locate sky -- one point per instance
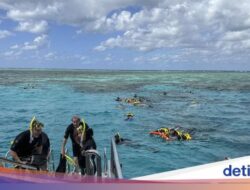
(125, 34)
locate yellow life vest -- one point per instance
(178, 133)
(186, 136)
(165, 130)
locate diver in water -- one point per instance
(175, 133)
(171, 134)
(118, 99)
(130, 117)
(120, 140)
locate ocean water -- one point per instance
(214, 105)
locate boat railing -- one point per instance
(93, 163)
(105, 163)
(6, 156)
(111, 168)
(115, 166)
(50, 162)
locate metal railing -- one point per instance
(115, 166)
(8, 159)
(16, 164)
(111, 168)
(90, 163)
(105, 163)
(51, 161)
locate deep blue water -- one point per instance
(215, 105)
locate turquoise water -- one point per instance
(215, 105)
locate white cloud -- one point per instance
(72, 12)
(4, 33)
(12, 54)
(195, 26)
(33, 27)
(50, 56)
(37, 43)
(18, 49)
(108, 58)
(83, 58)
(215, 25)
(14, 46)
(8, 53)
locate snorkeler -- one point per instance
(171, 134)
(32, 146)
(118, 99)
(130, 116)
(119, 139)
(72, 131)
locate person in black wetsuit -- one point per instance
(72, 132)
(130, 117)
(32, 147)
(88, 144)
(119, 140)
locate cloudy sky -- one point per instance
(125, 34)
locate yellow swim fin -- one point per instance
(70, 160)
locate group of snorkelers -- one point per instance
(164, 133)
(135, 100)
(171, 134)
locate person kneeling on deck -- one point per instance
(32, 146)
(73, 133)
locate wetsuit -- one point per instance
(38, 148)
(89, 144)
(23, 147)
(71, 132)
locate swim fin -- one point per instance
(62, 164)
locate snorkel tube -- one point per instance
(83, 129)
(31, 127)
(31, 123)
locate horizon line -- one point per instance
(102, 69)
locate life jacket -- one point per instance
(186, 136)
(165, 130)
(177, 133)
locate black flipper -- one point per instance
(62, 165)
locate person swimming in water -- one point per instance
(119, 139)
(130, 116)
(171, 134)
(118, 99)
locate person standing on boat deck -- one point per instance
(88, 144)
(72, 132)
(32, 146)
